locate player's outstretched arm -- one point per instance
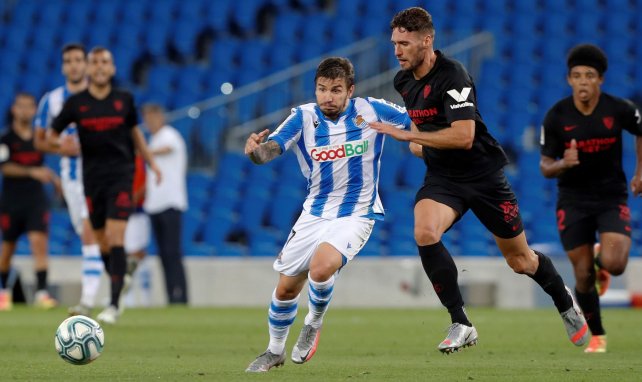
(261, 152)
(460, 135)
(141, 146)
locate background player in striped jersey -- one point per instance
(581, 146)
(74, 65)
(464, 171)
(339, 155)
(24, 206)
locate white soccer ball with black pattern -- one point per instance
(79, 340)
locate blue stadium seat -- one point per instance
(162, 12)
(184, 36)
(217, 14)
(155, 39)
(246, 13)
(257, 60)
(224, 54)
(105, 12)
(287, 28)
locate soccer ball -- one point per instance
(79, 340)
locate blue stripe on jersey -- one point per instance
(289, 129)
(43, 110)
(322, 138)
(375, 171)
(355, 173)
(306, 156)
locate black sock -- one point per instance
(442, 272)
(4, 277)
(118, 267)
(106, 262)
(590, 304)
(598, 261)
(41, 280)
(548, 278)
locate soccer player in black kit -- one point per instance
(464, 171)
(581, 146)
(24, 206)
(106, 120)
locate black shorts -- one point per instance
(490, 198)
(19, 218)
(109, 201)
(578, 220)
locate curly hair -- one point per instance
(587, 55)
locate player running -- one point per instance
(464, 171)
(106, 120)
(581, 146)
(74, 66)
(339, 155)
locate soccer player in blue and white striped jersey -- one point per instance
(340, 156)
(74, 64)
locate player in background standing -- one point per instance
(581, 146)
(74, 66)
(106, 121)
(166, 202)
(464, 171)
(339, 154)
(24, 206)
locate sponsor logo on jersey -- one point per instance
(336, 152)
(593, 145)
(608, 122)
(459, 96)
(570, 127)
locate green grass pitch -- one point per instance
(217, 344)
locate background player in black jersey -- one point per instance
(581, 146)
(24, 206)
(106, 120)
(465, 171)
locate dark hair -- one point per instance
(99, 49)
(20, 94)
(336, 67)
(74, 46)
(413, 19)
(587, 55)
(152, 108)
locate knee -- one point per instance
(426, 236)
(522, 262)
(321, 273)
(615, 267)
(284, 293)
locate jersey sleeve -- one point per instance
(391, 113)
(459, 96)
(65, 117)
(549, 141)
(632, 118)
(289, 131)
(42, 120)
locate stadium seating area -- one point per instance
(177, 52)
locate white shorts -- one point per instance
(348, 235)
(137, 232)
(74, 194)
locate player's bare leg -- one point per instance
(38, 243)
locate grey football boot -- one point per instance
(265, 362)
(306, 345)
(459, 336)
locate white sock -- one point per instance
(281, 315)
(92, 270)
(319, 296)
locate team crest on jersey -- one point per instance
(118, 105)
(427, 90)
(608, 122)
(360, 122)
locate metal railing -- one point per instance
(223, 122)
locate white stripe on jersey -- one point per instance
(340, 159)
(49, 107)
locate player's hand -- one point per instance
(416, 149)
(636, 185)
(69, 146)
(255, 140)
(42, 174)
(157, 172)
(384, 128)
(571, 156)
